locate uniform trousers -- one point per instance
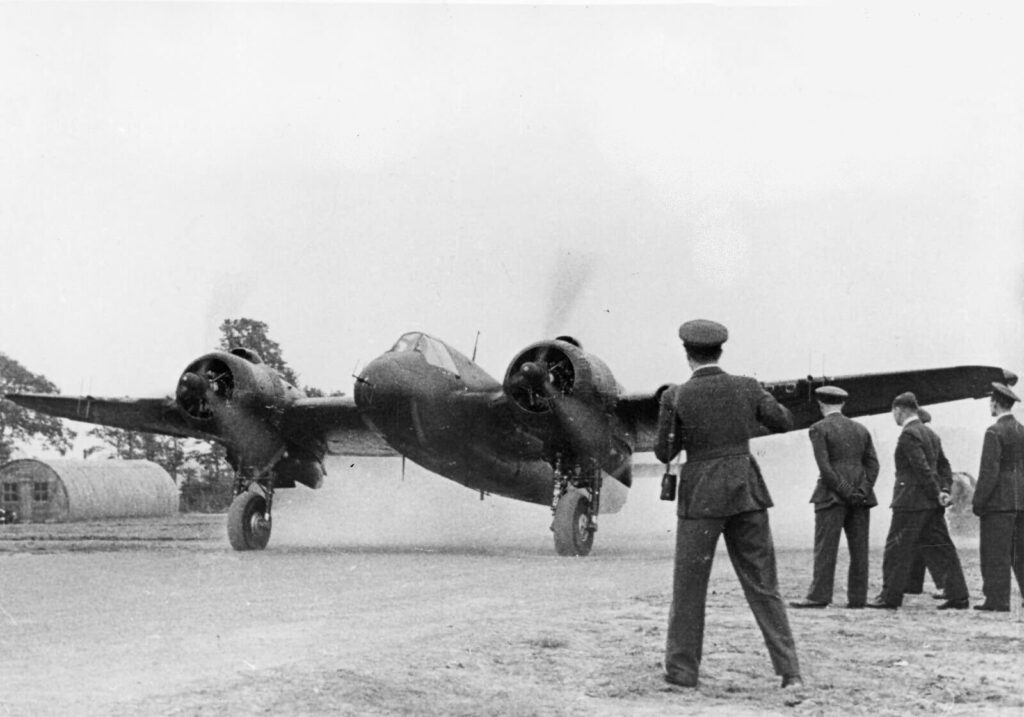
(828, 524)
(915, 582)
(927, 530)
(748, 538)
(1002, 548)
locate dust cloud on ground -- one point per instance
(368, 502)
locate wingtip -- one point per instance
(1010, 378)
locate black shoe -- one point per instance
(880, 604)
(939, 595)
(954, 605)
(854, 606)
(992, 608)
(807, 603)
(680, 682)
(792, 681)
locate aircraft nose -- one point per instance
(378, 384)
(1010, 377)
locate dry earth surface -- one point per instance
(397, 612)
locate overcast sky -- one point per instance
(843, 188)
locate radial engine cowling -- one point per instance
(238, 378)
(549, 370)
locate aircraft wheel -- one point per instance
(248, 529)
(571, 525)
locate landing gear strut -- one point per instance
(575, 503)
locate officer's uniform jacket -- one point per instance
(846, 460)
(712, 417)
(922, 470)
(1000, 486)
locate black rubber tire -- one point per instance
(572, 537)
(247, 530)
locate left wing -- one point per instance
(151, 415)
(335, 422)
(870, 394)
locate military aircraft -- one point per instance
(558, 430)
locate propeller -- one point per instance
(191, 394)
(585, 427)
(199, 386)
(542, 373)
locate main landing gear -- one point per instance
(576, 499)
(249, 519)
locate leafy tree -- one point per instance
(313, 392)
(252, 334)
(207, 480)
(19, 424)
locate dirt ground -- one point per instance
(161, 617)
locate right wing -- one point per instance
(870, 394)
(151, 415)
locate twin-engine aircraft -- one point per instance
(558, 430)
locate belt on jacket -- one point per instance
(720, 452)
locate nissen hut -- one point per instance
(61, 490)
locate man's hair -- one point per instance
(1002, 401)
(703, 354)
(905, 400)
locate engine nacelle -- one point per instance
(568, 371)
(237, 397)
(238, 377)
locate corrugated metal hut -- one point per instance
(61, 490)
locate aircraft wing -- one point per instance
(870, 394)
(337, 423)
(151, 415)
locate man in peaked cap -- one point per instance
(918, 499)
(842, 499)
(999, 502)
(712, 417)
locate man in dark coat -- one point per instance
(918, 499)
(999, 502)
(842, 499)
(915, 582)
(712, 417)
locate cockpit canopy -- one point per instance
(434, 352)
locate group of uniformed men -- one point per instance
(714, 415)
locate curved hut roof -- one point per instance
(104, 488)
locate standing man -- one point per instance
(712, 417)
(999, 502)
(842, 500)
(918, 499)
(915, 583)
